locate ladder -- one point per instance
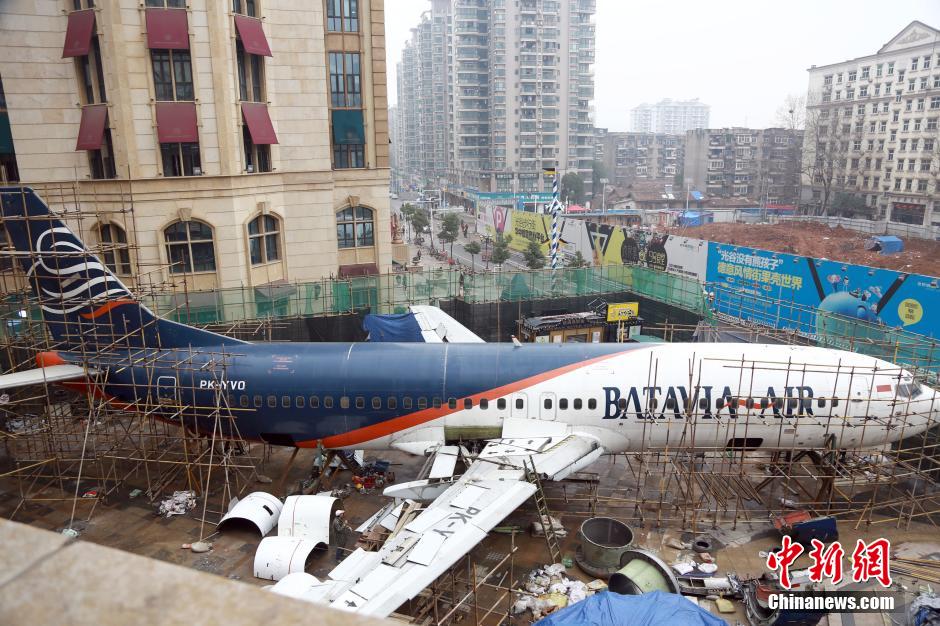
(551, 539)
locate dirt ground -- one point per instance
(920, 256)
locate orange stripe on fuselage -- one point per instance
(396, 424)
(105, 308)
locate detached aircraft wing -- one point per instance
(50, 374)
(419, 550)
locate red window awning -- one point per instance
(252, 35)
(91, 130)
(167, 29)
(176, 122)
(78, 33)
(259, 123)
(359, 269)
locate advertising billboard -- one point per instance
(805, 294)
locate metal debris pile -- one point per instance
(177, 504)
(548, 589)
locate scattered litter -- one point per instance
(708, 558)
(790, 504)
(708, 568)
(683, 567)
(201, 546)
(135, 492)
(70, 532)
(91, 493)
(178, 504)
(186, 546)
(265, 480)
(548, 589)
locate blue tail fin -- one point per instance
(84, 305)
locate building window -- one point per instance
(180, 159)
(165, 4)
(934, 103)
(345, 81)
(250, 74)
(245, 7)
(189, 247)
(91, 74)
(342, 16)
(172, 75)
(355, 227)
(264, 235)
(114, 248)
(257, 156)
(922, 185)
(101, 161)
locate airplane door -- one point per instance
(166, 390)
(547, 406)
(519, 408)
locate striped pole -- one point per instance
(555, 207)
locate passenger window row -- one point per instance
(407, 402)
(391, 402)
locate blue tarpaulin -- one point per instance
(886, 244)
(648, 609)
(697, 195)
(400, 327)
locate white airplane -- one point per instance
(558, 407)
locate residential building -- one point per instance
(249, 138)
(514, 83)
(672, 117)
(872, 134)
(759, 164)
(642, 156)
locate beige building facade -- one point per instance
(206, 143)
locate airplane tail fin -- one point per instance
(84, 305)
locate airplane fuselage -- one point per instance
(628, 396)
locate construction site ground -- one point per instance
(920, 256)
(131, 524)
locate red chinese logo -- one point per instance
(783, 559)
(826, 563)
(872, 561)
(869, 561)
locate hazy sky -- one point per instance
(740, 56)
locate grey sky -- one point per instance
(740, 56)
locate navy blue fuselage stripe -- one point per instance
(341, 369)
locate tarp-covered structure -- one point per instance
(422, 323)
(396, 327)
(648, 609)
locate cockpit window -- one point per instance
(909, 390)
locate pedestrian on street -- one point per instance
(340, 531)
